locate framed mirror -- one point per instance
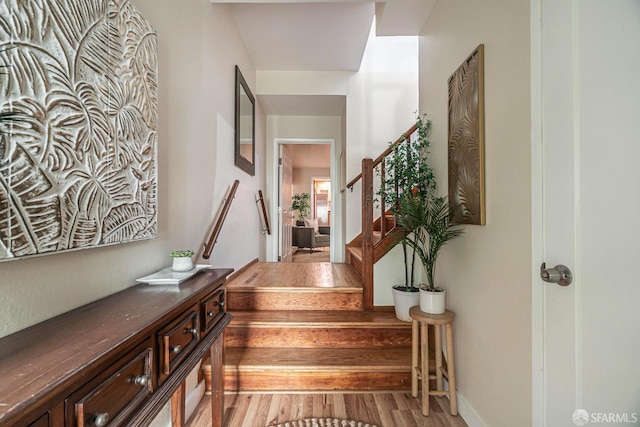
(245, 152)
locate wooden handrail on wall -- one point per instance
(260, 200)
(208, 247)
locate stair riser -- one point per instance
(238, 336)
(316, 381)
(293, 301)
(356, 263)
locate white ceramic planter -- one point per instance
(432, 302)
(182, 263)
(403, 301)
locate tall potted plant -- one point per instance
(407, 176)
(431, 218)
(301, 203)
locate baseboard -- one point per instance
(469, 414)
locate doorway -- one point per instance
(312, 172)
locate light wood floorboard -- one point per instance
(382, 409)
(318, 255)
(296, 275)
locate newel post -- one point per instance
(367, 233)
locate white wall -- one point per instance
(303, 179)
(487, 272)
(199, 45)
(381, 105)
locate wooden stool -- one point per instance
(420, 356)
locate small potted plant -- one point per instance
(301, 203)
(182, 260)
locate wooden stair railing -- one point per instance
(372, 249)
(208, 247)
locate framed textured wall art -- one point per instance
(78, 165)
(466, 140)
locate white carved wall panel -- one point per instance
(78, 168)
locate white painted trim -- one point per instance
(336, 241)
(468, 414)
(537, 225)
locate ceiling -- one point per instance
(303, 105)
(318, 35)
(310, 155)
(305, 36)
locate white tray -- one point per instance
(167, 276)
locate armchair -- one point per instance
(305, 237)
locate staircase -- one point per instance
(383, 240)
(287, 337)
(378, 235)
(311, 327)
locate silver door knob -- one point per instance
(559, 274)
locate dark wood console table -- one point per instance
(118, 360)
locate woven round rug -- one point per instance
(323, 422)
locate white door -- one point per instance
(286, 214)
(586, 211)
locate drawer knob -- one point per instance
(218, 304)
(141, 380)
(176, 349)
(192, 331)
(101, 420)
(210, 313)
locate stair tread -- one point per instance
(355, 251)
(297, 289)
(311, 359)
(313, 319)
(296, 276)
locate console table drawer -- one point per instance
(43, 421)
(176, 341)
(114, 394)
(212, 310)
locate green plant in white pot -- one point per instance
(431, 218)
(182, 260)
(407, 176)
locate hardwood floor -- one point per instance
(296, 275)
(305, 255)
(380, 409)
